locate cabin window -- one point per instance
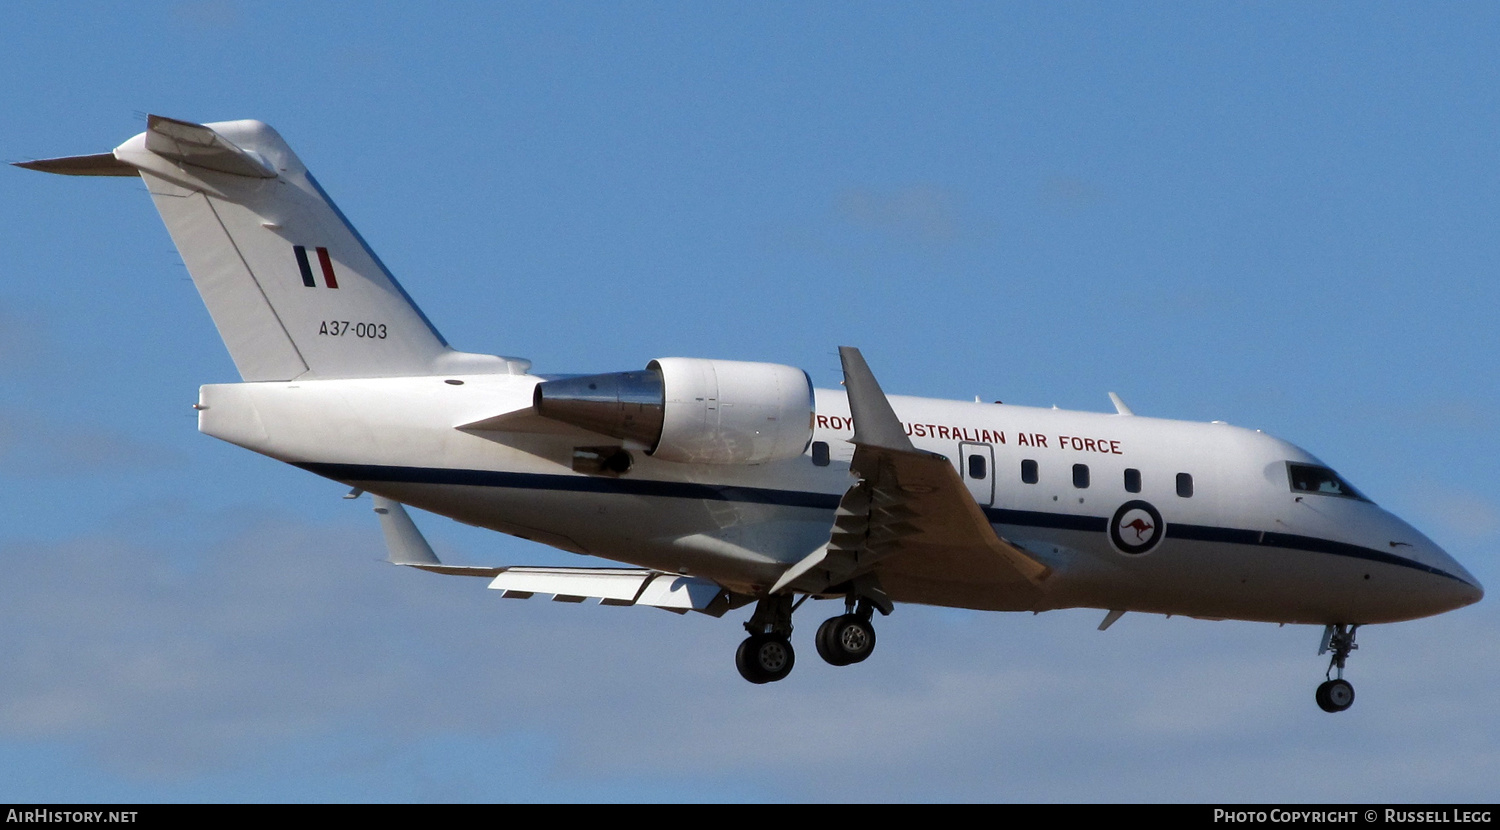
(1132, 481)
(1081, 476)
(1028, 471)
(820, 453)
(977, 467)
(1185, 485)
(1307, 478)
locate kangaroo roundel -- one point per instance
(1136, 528)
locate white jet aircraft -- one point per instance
(730, 483)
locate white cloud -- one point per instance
(914, 213)
(196, 670)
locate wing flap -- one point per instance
(943, 526)
(614, 586)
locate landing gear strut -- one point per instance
(1336, 694)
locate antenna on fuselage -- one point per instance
(1120, 406)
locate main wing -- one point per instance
(610, 586)
(908, 529)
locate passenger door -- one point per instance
(976, 466)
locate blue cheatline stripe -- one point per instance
(304, 266)
(1209, 533)
(574, 484)
(1055, 521)
(349, 473)
(1292, 541)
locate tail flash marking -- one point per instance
(324, 261)
(327, 264)
(306, 269)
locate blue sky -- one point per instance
(1276, 214)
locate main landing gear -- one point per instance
(767, 656)
(849, 638)
(1336, 694)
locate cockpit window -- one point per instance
(1309, 479)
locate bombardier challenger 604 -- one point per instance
(726, 484)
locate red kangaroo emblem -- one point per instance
(1140, 526)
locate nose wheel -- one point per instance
(1336, 694)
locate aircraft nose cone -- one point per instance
(1471, 592)
(1451, 586)
(1463, 589)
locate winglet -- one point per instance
(405, 543)
(408, 547)
(875, 423)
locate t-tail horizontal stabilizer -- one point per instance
(610, 586)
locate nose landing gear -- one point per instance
(1336, 694)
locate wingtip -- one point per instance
(404, 542)
(875, 423)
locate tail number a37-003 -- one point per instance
(343, 328)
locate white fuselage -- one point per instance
(1238, 542)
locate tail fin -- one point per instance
(293, 289)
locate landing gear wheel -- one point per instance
(765, 658)
(845, 640)
(822, 638)
(1335, 695)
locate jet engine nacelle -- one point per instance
(691, 410)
